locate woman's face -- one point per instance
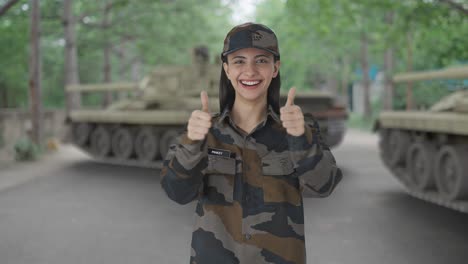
(250, 71)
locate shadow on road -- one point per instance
(419, 211)
(90, 168)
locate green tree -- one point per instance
(138, 34)
(325, 40)
(14, 28)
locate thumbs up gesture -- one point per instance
(199, 122)
(291, 116)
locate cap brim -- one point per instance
(224, 54)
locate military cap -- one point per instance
(250, 35)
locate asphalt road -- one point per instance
(69, 209)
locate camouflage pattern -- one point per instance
(248, 187)
(250, 35)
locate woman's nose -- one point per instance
(250, 68)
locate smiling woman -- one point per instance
(249, 165)
(250, 72)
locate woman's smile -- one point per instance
(250, 84)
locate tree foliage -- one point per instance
(319, 39)
(316, 36)
(150, 32)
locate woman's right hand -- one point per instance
(199, 122)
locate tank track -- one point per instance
(155, 164)
(334, 137)
(80, 135)
(431, 195)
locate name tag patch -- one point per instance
(219, 152)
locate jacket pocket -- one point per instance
(220, 174)
(278, 185)
(277, 164)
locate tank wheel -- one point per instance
(122, 143)
(396, 146)
(80, 133)
(451, 171)
(419, 162)
(383, 139)
(101, 141)
(167, 139)
(147, 144)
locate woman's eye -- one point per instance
(262, 61)
(238, 62)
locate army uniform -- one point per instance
(249, 189)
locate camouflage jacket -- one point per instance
(248, 189)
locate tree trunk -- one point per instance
(459, 6)
(136, 76)
(35, 73)
(345, 76)
(332, 85)
(365, 74)
(7, 6)
(409, 68)
(121, 51)
(136, 70)
(73, 100)
(107, 100)
(389, 89)
(122, 55)
(4, 98)
(388, 93)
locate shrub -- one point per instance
(26, 150)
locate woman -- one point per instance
(249, 165)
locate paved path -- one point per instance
(69, 209)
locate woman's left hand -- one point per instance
(291, 116)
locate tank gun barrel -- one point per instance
(448, 73)
(115, 87)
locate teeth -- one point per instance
(250, 82)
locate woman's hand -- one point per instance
(199, 122)
(291, 116)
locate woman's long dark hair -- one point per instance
(227, 93)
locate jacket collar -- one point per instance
(270, 113)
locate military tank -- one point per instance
(330, 113)
(428, 150)
(139, 130)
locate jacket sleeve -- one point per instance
(314, 163)
(181, 175)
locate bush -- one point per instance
(26, 150)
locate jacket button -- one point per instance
(247, 236)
